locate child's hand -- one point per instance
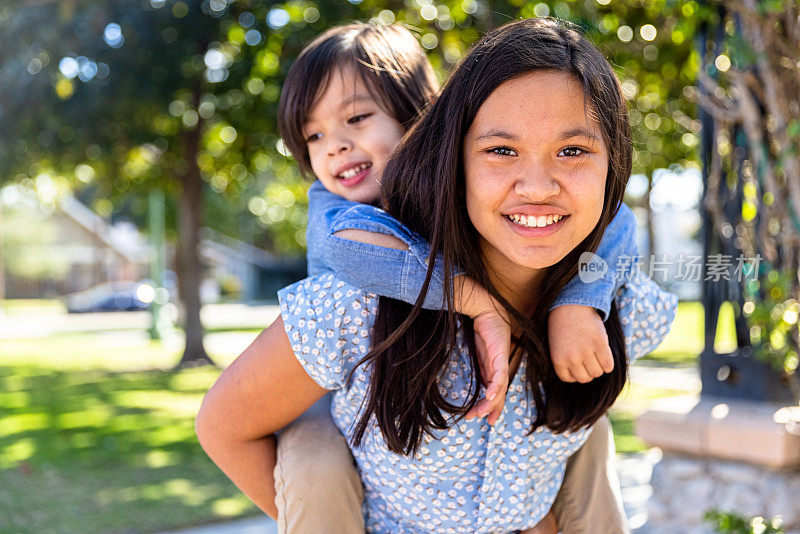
(578, 343)
(493, 343)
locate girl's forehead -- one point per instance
(538, 102)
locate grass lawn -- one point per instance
(634, 400)
(96, 433)
(684, 342)
(97, 437)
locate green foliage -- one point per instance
(730, 523)
(122, 131)
(773, 318)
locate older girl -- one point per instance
(531, 127)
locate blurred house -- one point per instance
(90, 251)
(254, 273)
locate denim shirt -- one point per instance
(400, 274)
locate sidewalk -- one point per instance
(214, 316)
(251, 525)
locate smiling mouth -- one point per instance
(353, 171)
(531, 221)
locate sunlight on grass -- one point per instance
(18, 451)
(231, 506)
(15, 307)
(16, 424)
(684, 342)
(166, 402)
(156, 459)
(634, 400)
(100, 439)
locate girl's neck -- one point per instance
(517, 284)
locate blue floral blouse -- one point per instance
(472, 478)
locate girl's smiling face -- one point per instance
(535, 167)
(349, 137)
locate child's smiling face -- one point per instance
(350, 137)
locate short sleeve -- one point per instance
(328, 323)
(646, 313)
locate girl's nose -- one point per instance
(537, 184)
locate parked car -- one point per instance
(111, 296)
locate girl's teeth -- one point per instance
(534, 222)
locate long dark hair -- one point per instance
(387, 58)
(423, 186)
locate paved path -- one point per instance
(252, 525)
(214, 316)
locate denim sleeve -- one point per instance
(646, 313)
(601, 274)
(397, 274)
(323, 206)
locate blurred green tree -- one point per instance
(112, 99)
(749, 89)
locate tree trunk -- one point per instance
(190, 271)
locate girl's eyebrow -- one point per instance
(502, 134)
(566, 134)
(577, 132)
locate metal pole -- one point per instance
(161, 324)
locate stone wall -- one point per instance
(685, 488)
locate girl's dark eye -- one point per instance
(571, 151)
(358, 118)
(502, 151)
(313, 137)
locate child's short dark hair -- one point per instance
(388, 59)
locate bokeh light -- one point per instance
(277, 18)
(648, 32)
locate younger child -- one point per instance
(346, 103)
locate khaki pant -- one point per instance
(319, 490)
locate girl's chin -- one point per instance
(539, 257)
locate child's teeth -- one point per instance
(349, 173)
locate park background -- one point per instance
(138, 143)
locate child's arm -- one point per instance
(490, 320)
(602, 273)
(323, 207)
(578, 342)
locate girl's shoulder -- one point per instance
(328, 323)
(322, 294)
